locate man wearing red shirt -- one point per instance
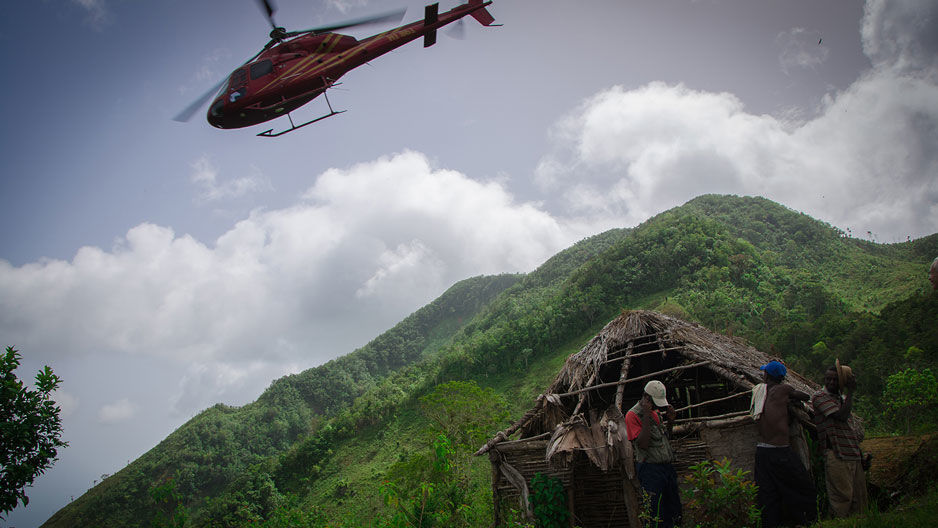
(653, 454)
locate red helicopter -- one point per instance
(295, 67)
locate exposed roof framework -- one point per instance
(576, 429)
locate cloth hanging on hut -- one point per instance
(758, 401)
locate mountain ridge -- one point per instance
(746, 265)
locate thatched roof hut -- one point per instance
(576, 430)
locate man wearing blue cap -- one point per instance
(786, 495)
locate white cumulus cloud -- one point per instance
(118, 411)
(212, 188)
(868, 161)
(359, 250)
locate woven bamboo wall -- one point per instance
(597, 498)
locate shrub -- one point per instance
(718, 497)
(549, 502)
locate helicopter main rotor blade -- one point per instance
(457, 30)
(390, 16)
(269, 9)
(190, 110)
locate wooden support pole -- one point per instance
(496, 496)
(708, 402)
(739, 379)
(623, 374)
(690, 427)
(583, 396)
(615, 383)
(640, 354)
(620, 390)
(709, 418)
(541, 436)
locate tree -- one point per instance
(910, 392)
(464, 412)
(170, 512)
(30, 430)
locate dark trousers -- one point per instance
(660, 482)
(786, 496)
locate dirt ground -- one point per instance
(903, 464)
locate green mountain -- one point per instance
(355, 442)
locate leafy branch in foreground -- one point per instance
(30, 430)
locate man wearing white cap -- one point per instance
(653, 454)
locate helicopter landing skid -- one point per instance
(270, 133)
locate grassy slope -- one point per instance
(232, 440)
(214, 448)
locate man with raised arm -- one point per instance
(653, 454)
(786, 495)
(846, 483)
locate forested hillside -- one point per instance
(375, 436)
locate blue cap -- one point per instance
(775, 369)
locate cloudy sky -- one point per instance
(161, 267)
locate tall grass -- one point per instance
(921, 512)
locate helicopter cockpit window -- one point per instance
(237, 79)
(261, 69)
(216, 108)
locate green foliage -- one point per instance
(718, 497)
(903, 336)
(649, 512)
(30, 430)
(291, 515)
(436, 488)
(548, 502)
(909, 393)
(441, 498)
(464, 412)
(170, 511)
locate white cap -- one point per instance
(656, 390)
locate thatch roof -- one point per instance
(736, 359)
(576, 430)
(637, 346)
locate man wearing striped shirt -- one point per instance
(846, 483)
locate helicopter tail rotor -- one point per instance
(481, 14)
